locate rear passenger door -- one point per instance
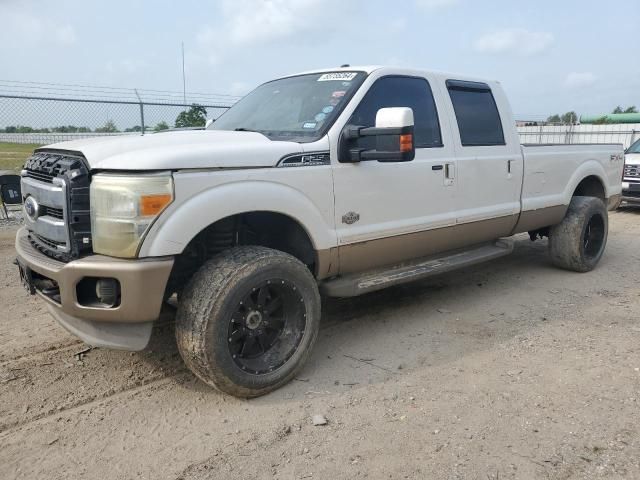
(489, 161)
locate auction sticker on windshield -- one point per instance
(338, 76)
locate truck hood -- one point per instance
(183, 149)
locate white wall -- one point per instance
(609, 133)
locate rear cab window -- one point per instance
(477, 114)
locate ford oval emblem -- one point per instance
(31, 208)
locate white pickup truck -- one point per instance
(631, 177)
(341, 181)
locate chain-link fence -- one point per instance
(44, 120)
(43, 113)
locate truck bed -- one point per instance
(552, 172)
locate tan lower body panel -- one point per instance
(613, 201)
(543, 217)
(142, 283)
(326, 263)
(358, 257)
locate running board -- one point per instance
(357, 284)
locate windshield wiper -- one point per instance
(242, 129)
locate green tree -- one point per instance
(554, 119)
(569, 118)
(109, 127)
(631, 109)
(69, 129)
(196, 116)
(161, 126)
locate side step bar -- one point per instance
(357, 284)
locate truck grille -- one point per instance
(55, 189)
(632, 170)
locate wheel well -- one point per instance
(590, 187)
(264, 228)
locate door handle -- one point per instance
(450, 171)
(436, 167)
(449, 174)
(509, 166)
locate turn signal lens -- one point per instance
(153, 204)
(406, 143)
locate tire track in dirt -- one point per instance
(8, 428)
(121, 372)
(43, 384)
(71, 344)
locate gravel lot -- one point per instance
(511, 369)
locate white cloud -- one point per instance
(515, 40)
(125, 65)
(398, 24)
(435, 4)
(579, 79)
(239, 88)
(253, 21)
(28, 28)
(65, 35)
(245, 23)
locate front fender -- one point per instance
(189, 215)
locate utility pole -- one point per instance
(184, 81)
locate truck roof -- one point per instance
(391, 70)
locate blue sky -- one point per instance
(551, 56)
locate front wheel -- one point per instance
(248, 320)
(577, 243)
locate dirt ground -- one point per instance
(511, 369)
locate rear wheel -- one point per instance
(248, 320)
(577, 243)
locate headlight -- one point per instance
(123, 207)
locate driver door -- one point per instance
(386, 213)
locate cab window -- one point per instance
(476, 112)
(411, 92)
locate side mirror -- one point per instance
(208, 123)
(393, 133)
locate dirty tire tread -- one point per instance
(565, 238)
(204, 297)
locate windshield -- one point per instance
(635, 148)
(299, 109)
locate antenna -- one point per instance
(184, 81)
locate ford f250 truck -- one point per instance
(341, 181)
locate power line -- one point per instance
(54, 95)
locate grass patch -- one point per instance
(13, 155)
